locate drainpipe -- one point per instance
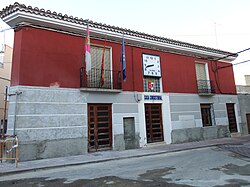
(16, 94)
(5, 109)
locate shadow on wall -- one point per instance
(3, 127)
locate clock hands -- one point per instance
(148, 66)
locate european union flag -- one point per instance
(123, 61)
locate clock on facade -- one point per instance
(151, 65)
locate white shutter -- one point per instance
(201, 71)
(96, 57)
(95, 76)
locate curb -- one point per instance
(178, 149)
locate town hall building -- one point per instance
(174, 91)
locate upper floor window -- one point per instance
(101, 74)
(201, 71)
(100, 77)
(96, 57)
(205, 86)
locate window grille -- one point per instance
(152, 84)
(207, 115)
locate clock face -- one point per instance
(151, 65)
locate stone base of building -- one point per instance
(199, 134)
(34, 150)
(55, 122)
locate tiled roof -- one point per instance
(47, 13)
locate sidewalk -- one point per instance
(9, 168)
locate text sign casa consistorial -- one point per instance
(151, 65)
(152, 97)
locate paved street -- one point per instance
(210, 166)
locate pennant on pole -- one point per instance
(87, 52)
(123, 61)
(102, 66)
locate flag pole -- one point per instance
(123, 60)
(103, 61)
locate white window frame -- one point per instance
(206, 69)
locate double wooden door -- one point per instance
(99, 127)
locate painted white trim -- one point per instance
(19, 17)
(178, 104)
(237, 117)
(49, 102)
(142, 125)
(220, 110)
(185, 112)
(21, 88)
(33, 115)
(166, 119)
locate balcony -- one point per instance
(206, 87)
(93, 81)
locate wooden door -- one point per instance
(248, 122)
(231, 117)
(153, 118)
(99, 127)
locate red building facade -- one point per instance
(43, 57)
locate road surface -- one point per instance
(211, 166)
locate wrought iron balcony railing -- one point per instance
(111, 79)
(206, 87)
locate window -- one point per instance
(151, 84)
(96, 57)
(95, 75)
(205, 86)
(201, 73)
(206, 114)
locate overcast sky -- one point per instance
(222, 24)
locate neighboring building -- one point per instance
(247, 79)
(5, 72)
(244, 103)
(174, 92)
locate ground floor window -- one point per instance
(206, 114)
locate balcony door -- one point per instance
(204, 84)
(201, 73)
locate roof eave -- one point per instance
(19, 17)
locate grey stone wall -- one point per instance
(52, 122)
(199, 133)
(187, 121)
(49, 122)
(185, 109)
(244, 103)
